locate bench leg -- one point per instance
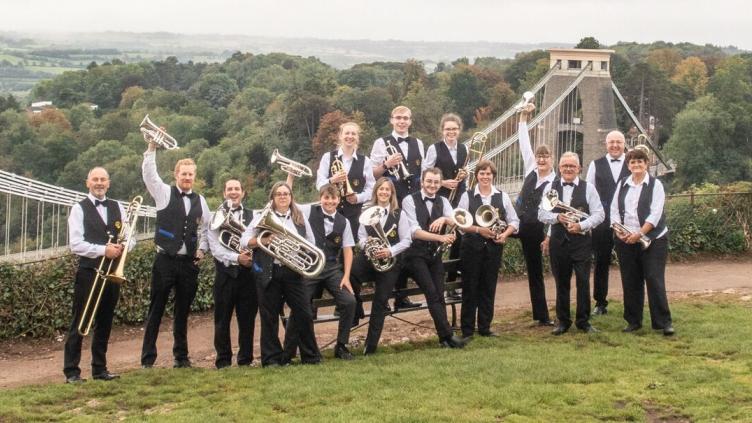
(454, 315)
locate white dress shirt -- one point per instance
(430, 160)
(615, 163)
(512, 219)
(378, 151)
(347, 236)
(225, 255)
(77, 244)
(161, 193)
(631, 200)
(594, 203)
(408, 208)
(403, 230)
(322, 174)
(528, 156)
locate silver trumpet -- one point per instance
(461, 219)
(488, 217)
(153, 134)
(624, 231)
(400, 170)
(293, 250)
(551, 201)
(290, 166)
(230, 229)
(372, 217)
(527, 98)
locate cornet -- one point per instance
(399, 171)
(551, 201)
(336, 168)
(527, 98)
(156, 135)
(461, 219)
(487, 217)
(624, 231)
(372, 217)
(290, 166)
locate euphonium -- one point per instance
(288, 247)
(102, 276)
(156, 135)
(487, 217)
(475, 151)
(398, 171)
(372, 217)
(624, 231)
(461, 219)
(551, 201)
(230, 229)
(336, 168)
(290, 166)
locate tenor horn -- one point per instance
(487, 217)
(153, 134)
(290, 166)
(461, 219)
(372, 217)
(293, 250)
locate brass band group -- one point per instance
(381, 218)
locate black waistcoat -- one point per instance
(643, 206)
(262, 262)
(96, 231)
(174, 227)
(357, 179)
(330, 244)
(419, 246)
(449, 169)
(605, 184)
(476, 241)
(391, 227)
(529, 198)
(579, 201)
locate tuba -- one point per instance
(102, 276)
(400, 170)
(290, 166)
(475, 151)
(372, 217)
(290, 248)
(230, 229)
(488, 217)
(527, 98)
(551, 201)
(345, 188)
(461, 219)
(156, 135)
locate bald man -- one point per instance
(603, 173)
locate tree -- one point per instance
(216, 88)
(692, 74)
(466, 92)
(9, 103)
(665, 59)
(588, 42)
(522, 64)
(732, 80)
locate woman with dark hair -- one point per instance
(274, 282)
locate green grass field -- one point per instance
(704, 373)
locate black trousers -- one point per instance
(531, 235)
(480, 271)
(234, 294)
(363, 271)
(102, 325)
(329, 279)
(428, 273)
(454, 253)
(603, 245)
(565, 258)
(638, 269)
(285, 286)
(168, 274)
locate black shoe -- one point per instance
(75, 379)
(182, 364)
(341, 352)
(632, 327)
(369, 350)
(589, 329)
(546, 322)
(224, 366)
(600, 310)
(147, 366)
(558, 330)
(405, 303)
(668, 331)
(488, 334)
(467, 338)
(311, 361)
(105, 375)
(453, 341)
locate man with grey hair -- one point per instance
(603, 173)
(570, 243)
(93, 226)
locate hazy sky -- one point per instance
(720, 22)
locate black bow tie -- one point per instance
(329, 218)
(615, 160)
(281, 216)
(185, 194)
(98, 203)
(571, 184)
(400, 139)
(234, 209)
(431, 199)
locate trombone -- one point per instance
(116, 276)
(336, 168)
(475, 151)
(153, 134)
(290, 166)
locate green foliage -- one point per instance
(588, 42)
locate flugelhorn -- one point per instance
(372, 217)
(290, 166)
(461, 219)
(527, 98)
(336, 168)
(488, 217)
(230, 229)
(475, 151)
(102, 275)
(551, 201)
(400, 170)
(293, 250)
(153, 134)
(624, 231)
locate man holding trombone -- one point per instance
(93, 225)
